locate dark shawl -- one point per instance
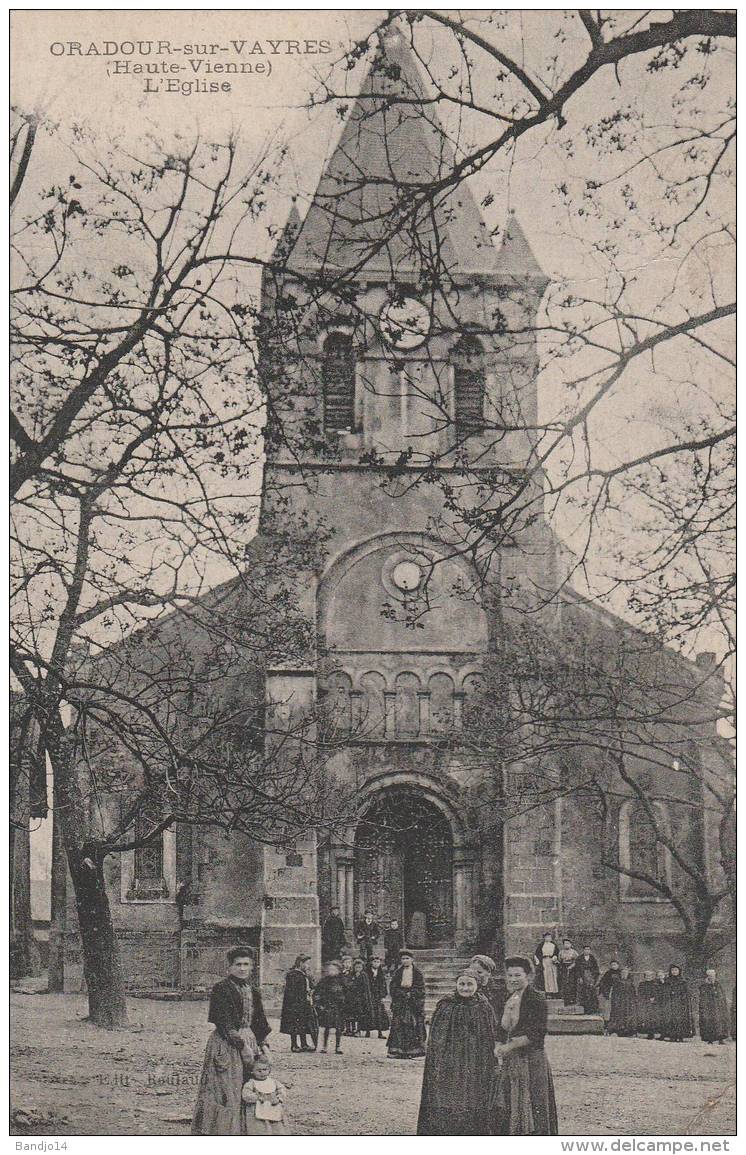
(332, 936)
(648, 1012)
(362, 1001)
(457, 1085)
(713, 1013)
(414, 995)
(623, 1018)
(226, 1010)
(532, 1020)
(329, 1001)
(609, 980)
(297, 1013)
(680, 1023)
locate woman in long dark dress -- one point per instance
(329, 1004)
(524, 1096)
(361, 997)
(679, 1006)
(378, 991)
(609, 979)
(713, 1010)
(459, 1075)
(623, 1016)
(567, 976)
(407, 1034)
(241, 1029)
(648, 1017)
(298, 1018)
(588, 971)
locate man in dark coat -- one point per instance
(647, 1005)
(298, 1018)
(378, 991)
(332, 936)
(459, 1076)
(713, 1010)
(367, 934)
(393, 942)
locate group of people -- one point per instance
(485, 1071)
(348, 1000)
(661, 1005)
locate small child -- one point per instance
(263, 1096)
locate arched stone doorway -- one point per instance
(404, 865)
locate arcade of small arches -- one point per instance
(405, 705)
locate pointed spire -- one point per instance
(516, 256)
(391, 150)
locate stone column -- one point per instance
(463, 899)
(458, 709)
(389, 705)
(424, 697)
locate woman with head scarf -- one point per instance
(362, 999)
(609, 979)
(298, 1018)
(524, 1096)
(587, 971)
(713, 1010)
(567, 972)
(459, 1075)
(240, 1034)
(680, 1025)
(407, 1034)
(623, 1016)
(679, 1006)
(491, 984)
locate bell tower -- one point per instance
(401, 397)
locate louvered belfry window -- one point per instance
(468, 382)
(339, 382)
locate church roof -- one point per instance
(378, 207)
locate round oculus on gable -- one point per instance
(406, 576)
(404, 323)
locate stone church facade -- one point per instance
(404, 629)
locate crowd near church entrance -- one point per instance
(403, 864)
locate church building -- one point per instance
(399, 358)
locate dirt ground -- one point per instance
(75, 1079)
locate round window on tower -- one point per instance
(406, 576)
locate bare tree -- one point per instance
(137, 416)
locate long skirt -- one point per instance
(713, 1013)
(407, 1035)
(218, 1107)
(587, 995)
(524, 1098)
(568, 983)
(623, 1019)
(550, 976)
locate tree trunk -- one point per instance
(57, 927)
(107, 1006)
(25, 958)
(102, 969)
(24, 950)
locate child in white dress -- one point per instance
(263, 1097)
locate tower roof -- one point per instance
(377, 207)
